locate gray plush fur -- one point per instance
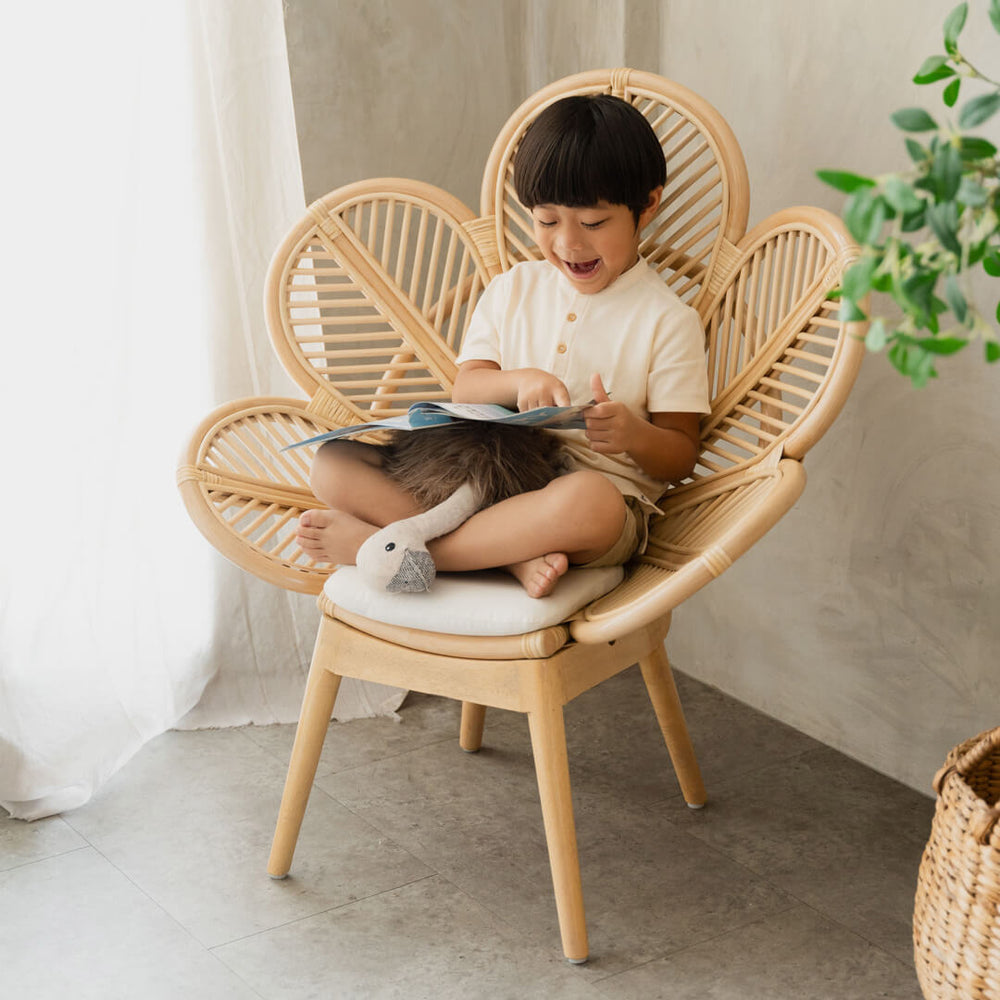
(498, 461)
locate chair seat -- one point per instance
(488, 603)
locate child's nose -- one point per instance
(570, 238)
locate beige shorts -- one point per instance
(632, 540)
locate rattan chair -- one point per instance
(367, 300)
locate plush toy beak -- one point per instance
(416, 573)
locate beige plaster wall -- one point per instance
(867, 618)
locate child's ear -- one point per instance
(652, 204)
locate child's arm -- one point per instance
(519, 388)
(665, 446)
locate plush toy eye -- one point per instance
(390, 546)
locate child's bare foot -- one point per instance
(332, 536)
(539, 576)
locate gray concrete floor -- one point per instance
(421, 871)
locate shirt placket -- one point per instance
(567, 322)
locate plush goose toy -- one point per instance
(396, 558)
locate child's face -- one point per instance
(591, 246)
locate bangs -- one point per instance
(583, 150)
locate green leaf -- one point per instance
(865, 215)
(972, 147)
(934, 68)
(876, 338)
(942, 345)
(946, 172)
(917, 294)
(950, 93)
(850, 312)
(844, 181)
(901, 196)
(913, 120)
(913, 221)
(953, 25)
(992, 348)
(913, 362)
(944, 225)
(857, 281)
(917, 152)
(995, 14)
(956, 299)
(991, 263)
(971, 193)
(998, 312)
(979, 109)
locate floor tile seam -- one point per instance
(152, 900)
(319, 913)
(701, 942)
(379, 760)
(854, 933)
(762, 875)
(740, 776)
(49, 857)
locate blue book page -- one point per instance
(563, 417)
(428, 414)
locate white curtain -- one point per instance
(151, 167)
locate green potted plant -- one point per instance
(925, 230)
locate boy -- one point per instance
(590, 319)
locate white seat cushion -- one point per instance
(487, 603)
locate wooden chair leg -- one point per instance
(548, 741)
(317, 707)
(470, 737)
(662, 690)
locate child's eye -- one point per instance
(545, 224)
(594, 225)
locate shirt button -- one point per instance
(561, 348)
(571, 317)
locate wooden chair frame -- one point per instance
(367, 301)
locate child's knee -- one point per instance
(594, 498)
(330, 472)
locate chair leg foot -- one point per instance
(667, 705)
(578, 961)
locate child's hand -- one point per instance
(538, 388)
(610, 425)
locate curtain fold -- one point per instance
(157, 168)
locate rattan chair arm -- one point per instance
(245, 495)
(705, 529)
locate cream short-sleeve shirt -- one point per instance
(646, 344)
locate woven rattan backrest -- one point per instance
(780, 360)
(706, 198)
(368, 297)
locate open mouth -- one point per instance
(582, 269)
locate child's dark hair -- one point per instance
(582, 150)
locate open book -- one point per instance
(426, 414)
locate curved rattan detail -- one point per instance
(245, 494)
(702, 532)
(368, 297)
(706, 199)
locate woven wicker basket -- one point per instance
(956, 917)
